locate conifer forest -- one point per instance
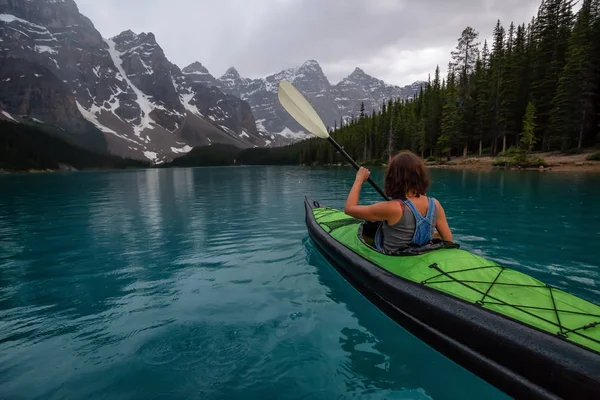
(535, 87)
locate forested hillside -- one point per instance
(535, 87)
(28, 147)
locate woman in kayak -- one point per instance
(410, 217)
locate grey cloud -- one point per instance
(394, 40)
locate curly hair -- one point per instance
(406, 172)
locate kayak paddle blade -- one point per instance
(301, 110)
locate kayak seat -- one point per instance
(370, 233)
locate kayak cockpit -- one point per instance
(367, 232)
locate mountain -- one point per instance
(118, 95)
(332, 102)
(124, 97)
(360, 87)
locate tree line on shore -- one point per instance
(25, 147)
(536, 87)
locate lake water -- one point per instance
(203, 284)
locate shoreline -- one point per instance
(556, 162)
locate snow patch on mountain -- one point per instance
(185, 149)
(7, 115)
(45, 49)
(226, 129)
(90, 116)
(8, 18)
(146, 106)
(150, 155)
(288, 133)
(260, 125)
(186, 98)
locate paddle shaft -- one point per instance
(355, 165)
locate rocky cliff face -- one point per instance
(138, 103)
(33, 93)
(231, 82)
(197, 73)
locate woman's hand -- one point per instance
(362, 174)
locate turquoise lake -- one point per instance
(203, 284)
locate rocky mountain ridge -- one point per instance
(123, 96)
(334, 102)
(118, 95)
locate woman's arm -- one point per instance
(375, 212)
(442, 223)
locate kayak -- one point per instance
(528, 339)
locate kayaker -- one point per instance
(410, 217)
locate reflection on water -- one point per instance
(202, 283)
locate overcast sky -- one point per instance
(399, 41)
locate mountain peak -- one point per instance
(195, 68)
(128, 34)
(232, 72)
(311, 63)
(358, 72)
(148, 37)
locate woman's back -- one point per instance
(416, 225)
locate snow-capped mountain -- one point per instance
(123, 96)
(360, 87)
(119, 95)
(332, 102)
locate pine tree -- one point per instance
(485, 55)
(595, 59)
(372, 132)
(435, 112)
(465, 55)
(528, 138)
(463, 62)
(390, 145)
(481, 114)
(450, 125)
(553, 28)
(496, 85)
(521, 68)
(508, 111)
(573, 112)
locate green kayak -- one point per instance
(529, 339)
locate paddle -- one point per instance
(301, 110)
